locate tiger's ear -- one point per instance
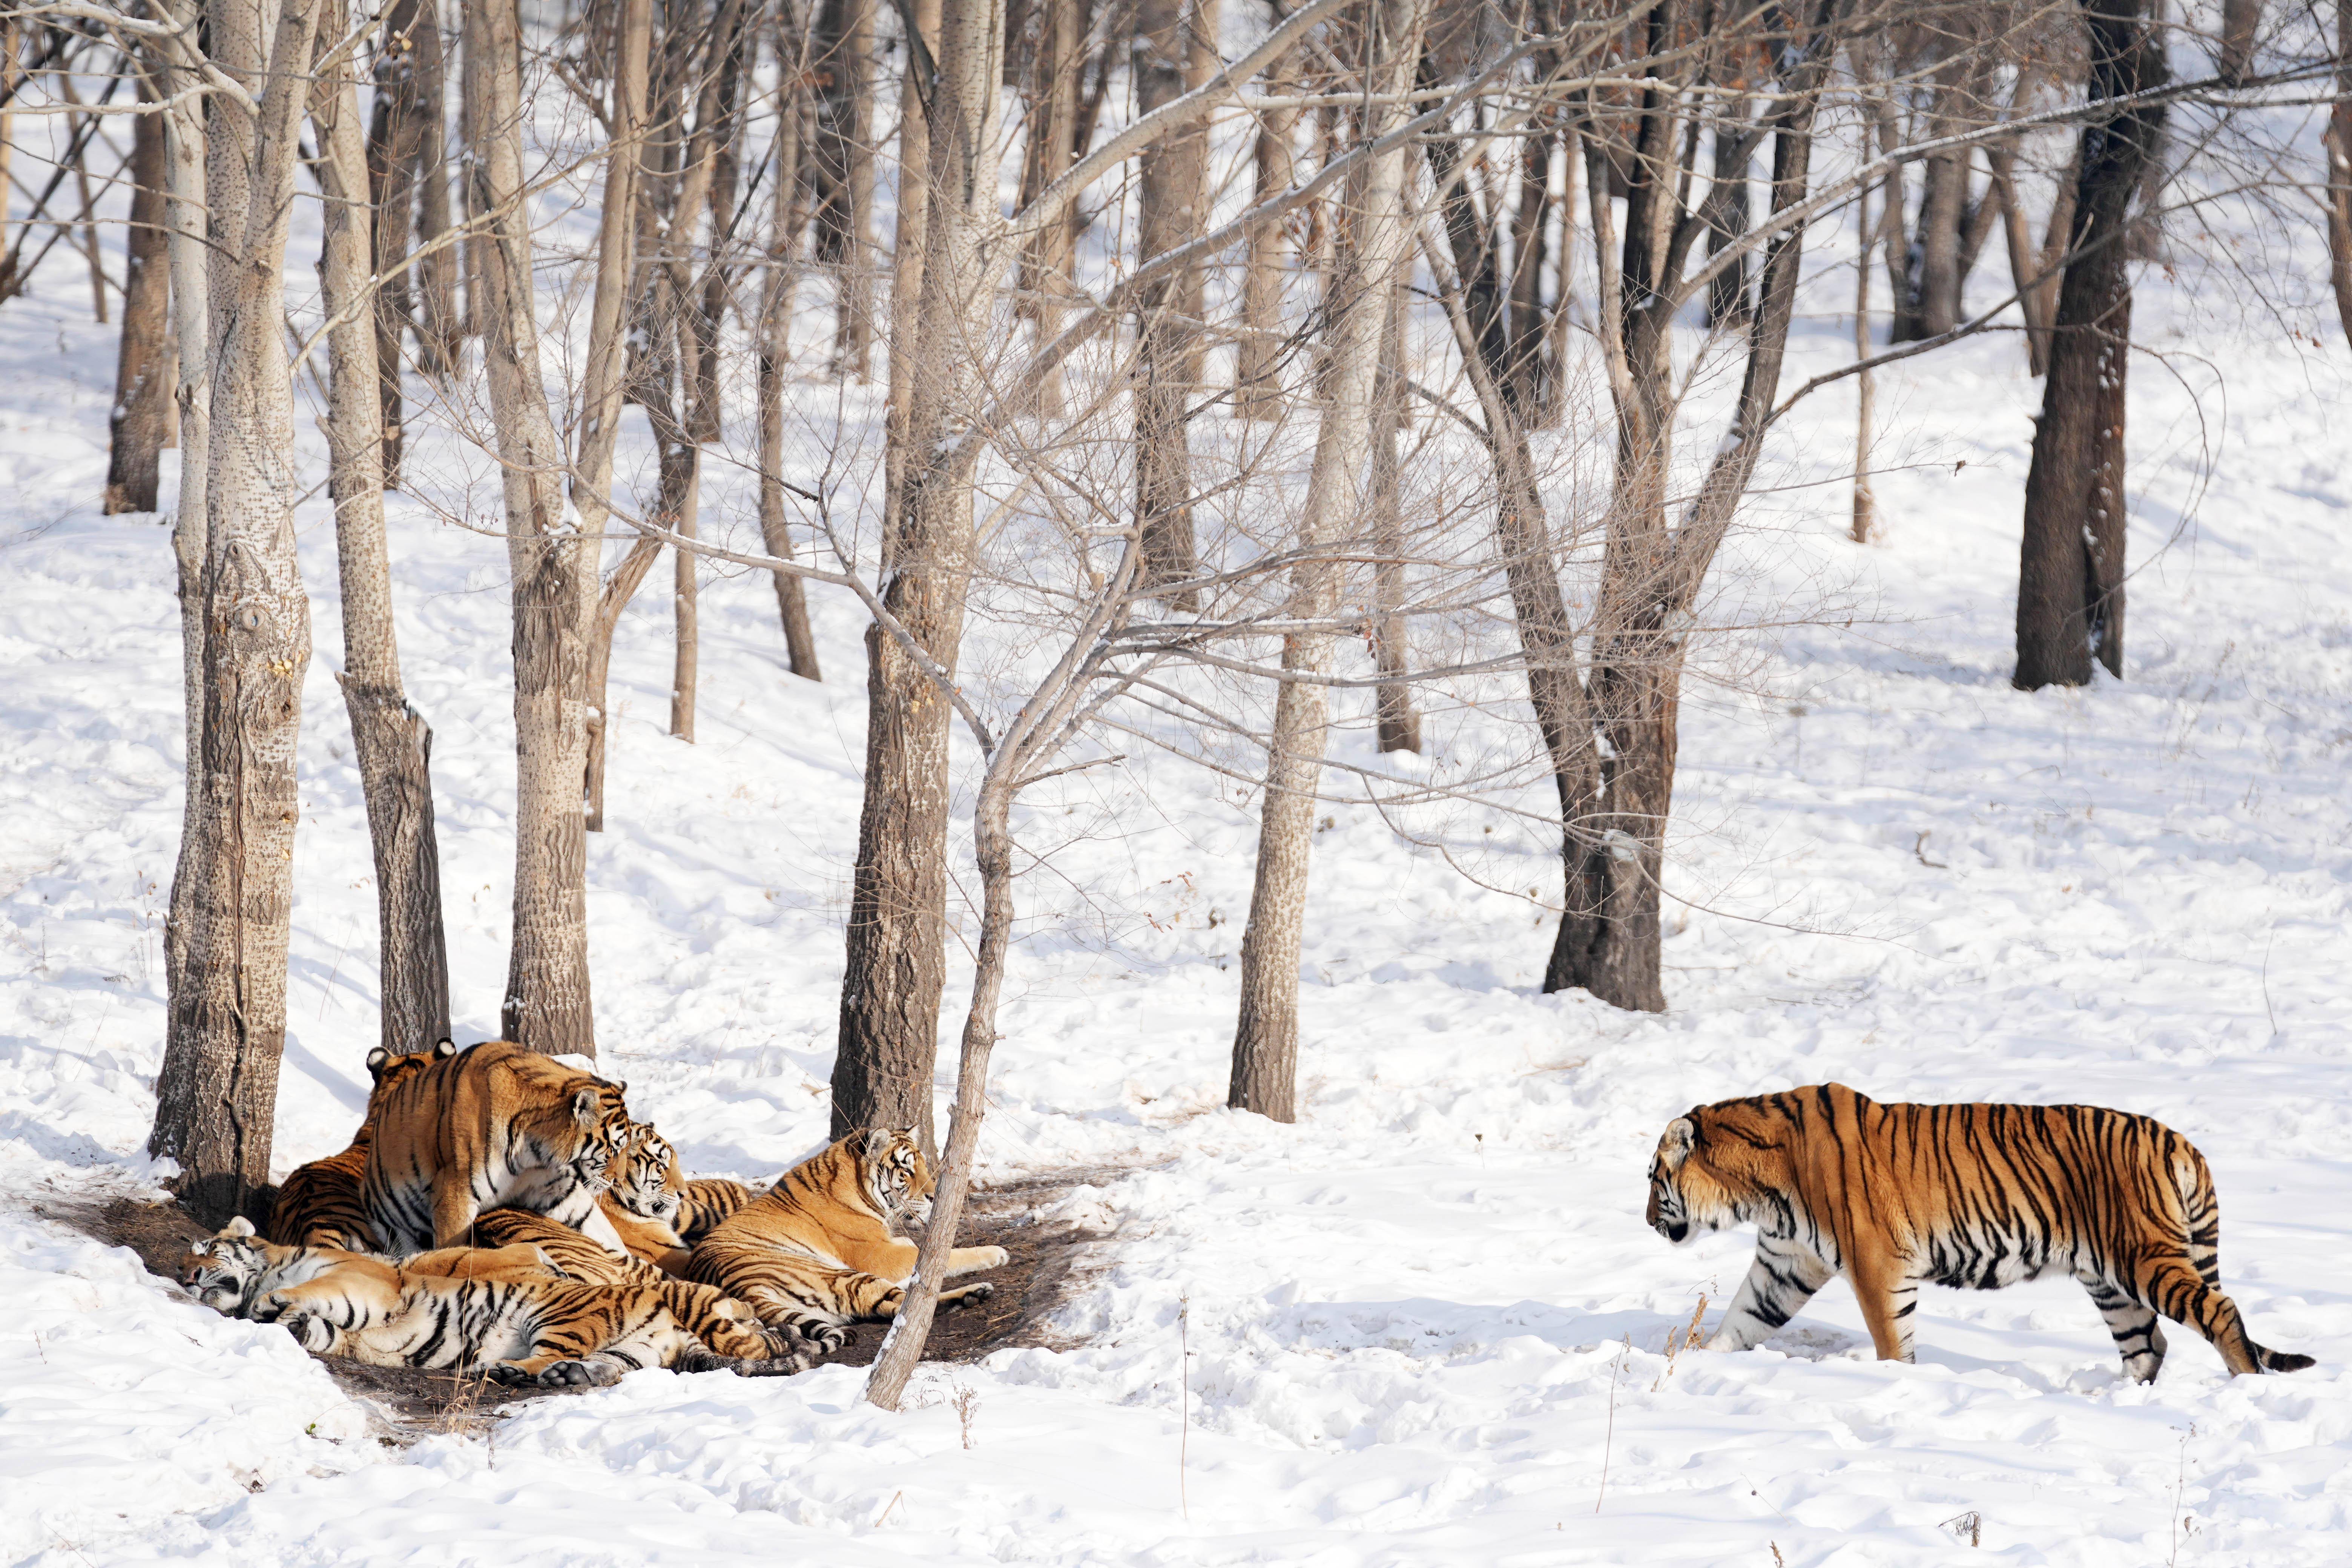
(584, 1107)
(876, 1139)
(376, 1061)
(444, 1049)
(1675, 1146)
(239, 1225)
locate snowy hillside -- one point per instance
(1426, 1324)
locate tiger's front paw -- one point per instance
(991, 1257)
(972, 1295)
(314, 1334)
(268, 1309)
(564, 1375)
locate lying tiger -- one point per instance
(319, 1204)
(494, 1124)
(1977, 1196)
(504, 1311)
(816, 1252)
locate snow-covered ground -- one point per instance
(1426, 1325)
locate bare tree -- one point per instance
(1257, 391)
(1266, 1038)
(844, 170)
(547, 1005)
(772, 338)
(2339, 172)
(395, 146)
(1175, 53)
(391, 741)
(141, 416)
(2070, 592)
(216, 1093)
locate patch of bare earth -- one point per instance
(1044, 1266)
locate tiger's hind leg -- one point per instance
(1783, 1277)
(2139, 1336)
(2175, 1288)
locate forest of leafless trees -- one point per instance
(1239, 368)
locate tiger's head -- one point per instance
(222, 1270)
(892, 1172)
(647, 1182)
(605, 1130)
(1716, 1167)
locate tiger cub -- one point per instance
(495, 1124)
(319, 1204)
(702, 1308)
(513, 1323)
(816, 1252)
(643, 1201)
(1977, 1197)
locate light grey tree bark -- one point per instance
(1265, 1039)
(547, 1005)
(393, 741)
(216, 1094)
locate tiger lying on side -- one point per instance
(816, 1252)
(1977, 1197)
(494, 1124)
(706, 1311)
(319, 1204)
(510, 1316)
(707, 1200)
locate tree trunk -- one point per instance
(2070, 590)
(441, 328)
(216, 1095)
(1934, 306)
(547, 1005)
(773, 338)
(1265, 1036)
(391, 739)
(1528, 382)
(907, 261)
(1175, 52)
(1257, 378)
(396, 139)
(2023, 267)
(1399, 722)
(591, 486)
(2054, 242)
(1609, 941)
(1053, 114)
(142, 367)
(2338, 143)
(185, 157)
(1726, 295)
(844, 174)
(2239, 19)
(1865, 505)
(888, 1042)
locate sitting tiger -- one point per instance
(1977, 1196)
(495, 1124)
(319, 1204)
(503, 1312)
(816, 1252)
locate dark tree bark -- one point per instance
(2070, 591)
(1727, 296)
(888, 1042)
(844, 171)
(1529, 380)
(1399, 721)
(1175, 52)
(142, 415)
(1650, 574)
